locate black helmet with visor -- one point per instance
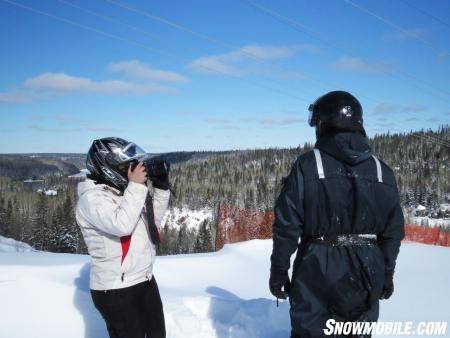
(108, 160)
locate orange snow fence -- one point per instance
(236, 224)
(427, 235)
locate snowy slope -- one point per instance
(176, 217)
(221, 294)
(432, 222)
(11, 245)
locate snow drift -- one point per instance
(218, 295)
(11, 245)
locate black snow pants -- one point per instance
(334, 282)
(132, 312)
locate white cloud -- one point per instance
(358, 65)
(232, 63)
(282, 121)
(413, 108)
(264, 52)
(135, 69)
(49, 84)
(406, 34)
(40, 128)
(215, 65)
(13, 97)
(433, 119)
(61, 83)
(214, 120)
(384, 107)
(265, 121)
(248, 120)
(59, 118)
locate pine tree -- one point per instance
(8, 222)
(41, 231)
(203, 242)
(182, 242)
(2, 216)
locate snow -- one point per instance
(217, 295)
(81, 174)
(421, 208)
(51, 192)
(11, 245)
(192, 218)
(444, 207)
(431, 222)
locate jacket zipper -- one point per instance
(123, 275)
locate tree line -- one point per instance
(248, 179)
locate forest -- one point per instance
(248, 179)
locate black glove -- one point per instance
(159, 174)
(388, 287)
(279, 279)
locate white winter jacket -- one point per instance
(104, 216)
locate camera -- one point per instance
(154, 166)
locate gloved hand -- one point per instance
(279, 282)
(388, 287)
(161, 180)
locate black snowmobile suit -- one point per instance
(338, 189)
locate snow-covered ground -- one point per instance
(11, 245)
(81, 174)
(428, 221)
(223, 294)
(176, 217)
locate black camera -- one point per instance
(155, 167)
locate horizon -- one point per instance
(245, 149)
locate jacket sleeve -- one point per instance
(160, 203)
(389, 240)
(116, 219)
(289, 214)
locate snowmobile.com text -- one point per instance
(385, 328)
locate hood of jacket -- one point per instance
(348, 147)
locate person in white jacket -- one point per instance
(119, 218)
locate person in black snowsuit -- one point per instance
(342, 203)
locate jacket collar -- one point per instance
(349, 147)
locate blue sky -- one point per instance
(214, 75)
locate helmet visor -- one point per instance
(311, 118)
(128, 153)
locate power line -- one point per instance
(404, 31)
(140, 45)
(155, 37)
(384, 68)
(426, 13)
(392, 24)
(88, 28)
(107, 18)
(220, 43)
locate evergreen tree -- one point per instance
(203, 242)
(9, 220)
(2, 216)
(41, 236)
(182, 242)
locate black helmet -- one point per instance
(337, 110)
(108, 160)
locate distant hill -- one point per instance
(22, 167)
(185, 156)
(41, 165)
